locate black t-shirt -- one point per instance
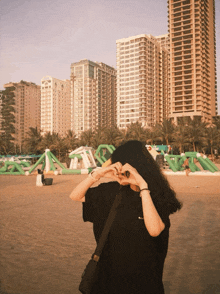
(132, 261)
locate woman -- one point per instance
(133, 257)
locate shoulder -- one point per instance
(98, 201)
(103, 189)
(109, 186)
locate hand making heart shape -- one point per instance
(123, 174)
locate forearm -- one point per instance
(78, 194)
(152, 219)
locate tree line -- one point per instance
(188, 135)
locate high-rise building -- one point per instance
(164, 42)
(142, 81)
(55, 105)
(27, 108)
(93, 92)
(192, 58)
(0, 112)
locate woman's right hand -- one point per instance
(112, 171)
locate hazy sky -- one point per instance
(40, 38)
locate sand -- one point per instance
(45, 245)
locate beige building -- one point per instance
(142, 81)
(27, 108)
(93, 92)
(192, 58)
(55, 105)
(0, 113)
(164, 41)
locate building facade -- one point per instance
(142, 81)
(192, 58)
(164, 41)
(55, 105)
(93, 96)
(0, 112)
(27, 108)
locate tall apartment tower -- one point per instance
(0, 112)
(142, 86)
(93, 92)
(27, 108)
(164, 41)
(55, 105)
(192, 58)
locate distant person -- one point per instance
(40, 178)
(186, 167)
(133, 258)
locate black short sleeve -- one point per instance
(90, 204)
(98, 201)
(164, 214)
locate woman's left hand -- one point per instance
(134, 178)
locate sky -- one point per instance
(43, 37)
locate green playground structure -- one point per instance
(47, 160)
(82, 162)
(23, 167)
(11, 168)
(103, 153)
(176, 161)
(84, 171)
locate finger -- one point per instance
(129, 168)
(127, 173)
(107, 171)
(117, 167)
(128, 181)
(113, 176)
(116, 171)
(113, 170)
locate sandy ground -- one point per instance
(45, 245)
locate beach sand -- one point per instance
(45, 244)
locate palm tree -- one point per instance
(180, 138)
(151, 136)
(217, 122)
(8, 119)
(86, 138)
(165, 131)
(135, 131)
(98, 137)
(112, 136)
(54, 142)
(195, 130)
(212, 138)
(32, 141)
(3, 147)
(71, 140)
(122, 136)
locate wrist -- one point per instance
(93, 175)
(144, 191)
(143, 185)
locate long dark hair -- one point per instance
(135, 153)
